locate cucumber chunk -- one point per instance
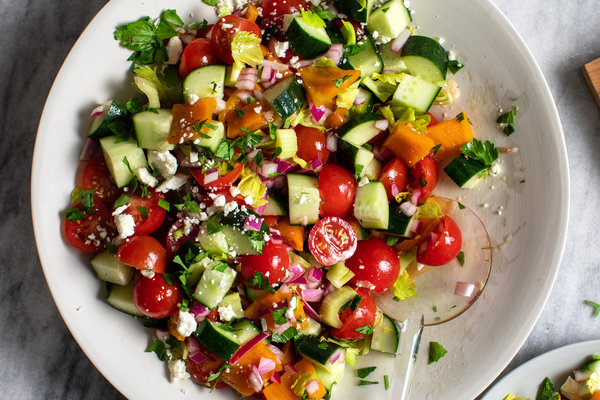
(287, 141)
(386, 336)
(359, 10)
(214, 284)
(113, 114)
(320, 352)
(306, 40)
(286, 97)
(275, 205)
(416, 93)
(392, 61)
(425, 58)
(399, 224)
(121, 298)
(304, 199)
(354, 159)
(222, 341)
(360, 129)
(109, 269)
(466, 172)
(368, 61)
(234, 301)
(123, 158)
(207, 81)
(152, 129)
(390, 19)
(216, 137)
(371, 207)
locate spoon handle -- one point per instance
(404, 365)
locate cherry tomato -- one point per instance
(144, 253)
(89, 234)
(425, 175)
(147, 214)
(433, 121)
(394, 173)
(375, 265)
(337, 187)
(222, 181)
(97, 177)
(178, 234)
(274, 10)
(155, 298)
(200, 372)
(225, 30)
(196, 54)
(311, 144)
(357, 321)
(272, 263)
(442, 245)
(331, 240)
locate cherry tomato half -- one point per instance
(331, 240)
(180, 232)
(147, 214)
(358, 320)
(89, 234)
(196, 54)
(144, 253)
(272, 263)
(394, 173)
(433, 121)
(200, 372)
(425, 175)
(225, 30)
(273, 11)
(222, 181)
(311, 144)
(337, 187)
(155, 298)
(442, 245)
(97, 177)
(375, 265)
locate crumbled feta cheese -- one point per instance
(281, 48)
(234, 191)
(173, 183)
(191, 98)
(174, 50)
(226, 313)
(146, 177)
(375, 35)
(125, 225)
(495, 169)
(363, 181)
(193, 156)
(203, 216)
(226, 26)
(249, 200)
(188, 224)
(229, 207)
(239, 4)
(220, 201)
(164, 161)
(178, 371)
(186, 323)
(120, 210)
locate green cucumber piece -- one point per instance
(366, 107)
(339, 274)
(390, 19)
(358, 10)
(331, 376)
(286, 97)
(275, 205)
(216, 137)
(354, 159)
(466, 172)
(253, 294)
(214, 285)
(373, 169)
(222, 341)
(152, 129)
(399, 224)
(386, 336)
(368, 61)
(232, 73)
(318, 351)
(234, 301)
(215, 243)
(207, 81)
(371, 207)
(114, 115)
(392, 61)
(360, 129)
(109, 269)
(121, 298)
(425, 58)
(303, 199)
(123, 158)
(307, 40)
(416, 93)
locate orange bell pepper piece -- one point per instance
(322, 84)
(291, 234)
(408, 144)
(265, 303)
(251, 12)
(251, 117)
(185, 116)
(283, 390)
(450, 135)
(304, 365)
(337, 118)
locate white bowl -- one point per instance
(532, 190)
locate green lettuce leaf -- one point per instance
(404, 287)
(245, 49)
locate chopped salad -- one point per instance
(276, 169)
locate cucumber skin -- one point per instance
(423, 46)
(462, 169)
(358, 120)
(290, 100)
(399, 223)
(117, 113)
(304, 48)
(209, 336)
(309, 347)
(354, 10)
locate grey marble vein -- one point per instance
(39, 357)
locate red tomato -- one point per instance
(196, 54)
(442, 245)
(155, 298)
(225, 30)
(425, 175)
(96, 177)
(144, 253)
(311, 144)
(86, 234)
(375, 265)
(394, 173)
(200, 372)
(274, 10)
(337, 187)
(147, 214)
(357, 321)
(173, 244)
(433, 120)
(222, 181)
(272, 263)
(331, 240)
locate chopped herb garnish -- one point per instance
(323, 14)
(211, 228)
(164, 204)
(134, 105)
(184, 305)
(434, 308)
(74, 214)
(392, 240)
(279, 316)
(143, 211)
(595, 305)
(214, 86)
(111, 248)
(226, 149)
(287, 123)
(352, 304)
(277, 152)
(547, 391)
(461, 258)
(159, 348)
(126, 162)
(436, 148)
(239, 113)
(260, 282)
(509, 119)
(217, 375)
(340, 81)
(121, 201)
(365, 330)
(210, 2)
(145, 191)
(386, 382)
(288, 334)
(251, 99)
(454, 66)
(322, 345)
(386, 9)
(436, 351)
(484, 152)
(221, 267)
(460, 205)
(200, 25)
(365, 383)
(422, 182)
(364, 372)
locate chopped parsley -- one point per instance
(121, 201)
(436, 148)
(484, 152)
(159, 348)
(227, 147)
(340, 81)
(279, 316)
(365, 383)
(596, 307)
(288, 334)
(239, 113)
(422, 182)
(454, 66)
(508, 120)
(164, 204)
(74, 214)
(547, 391)
(352, 304)
(460, 205)
(364, 372)
(386, 382)
(215, 377)
(461, 258)
(260, 282)
(200, 25)
(436, 352)
(365, 330)
(143, 211)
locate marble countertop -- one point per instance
(41, 359)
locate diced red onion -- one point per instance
(209, 34)
(382, 153)
(247, 347)
(320, 113)
(162, 334)
(275, 65)
(200, 312)
(245, 83)
(276, 378)
(211, 176)
(329, 289)
(331, 144)
(255, 379)
(312, 295)
(337, 355)
(335, 52)
(268, 115)
(306, 63)
(252, 223)
(89, 150)
(581, 376)
(395, 190)
(258, 94)
(399, 42)
(266, 365)
(187, 38)
(408, 208)
(415, 226)
(316, 163)
(464, 289)
(283, 166)
(279, 329)
(221, 104)
(276, 239)
(361, 97)
(244, 94)
(276, 352)
(252, 154)
(96, 112)
(300, 281)
(416, 197)
(311, 313)
(198, 357)
(290, 369)
(267, 74)
(315, 275)
(312, 387)
(192, 344)
(382, 124)
(269, 168)
(295, 270)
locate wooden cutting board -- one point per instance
(591, 73)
